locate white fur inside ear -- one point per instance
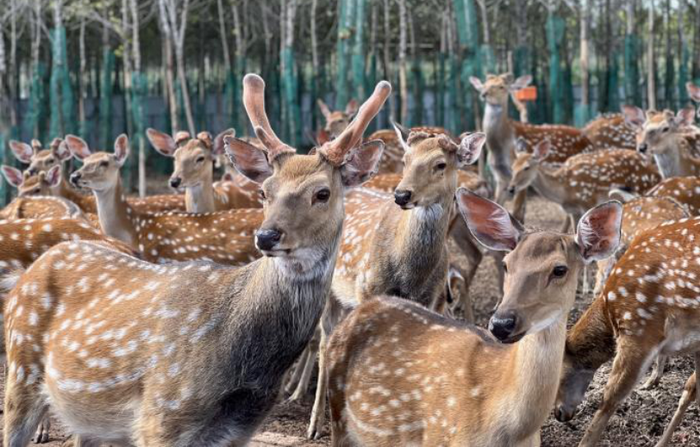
(406, 148)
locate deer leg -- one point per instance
(309, 363)
(318, 413)
(293, 381)
(656, 374)
(628, 366)
(694, 377)
(462, 236)
(689, 394)
(519, 202)
(42, 433)
(24, 411)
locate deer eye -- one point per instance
(664, 130)
(200, 159)
(262, 194)
(505, 268)
(441, 166)
(50, 160)
(559, 271)
(322, 196)
(104, 164)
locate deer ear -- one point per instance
(476, 82)
(161, 142)
(23, 152)
(470, 148)
(520, 83)
(324, 108)
(249, 160)
(685, 117)
(521, 145)
(227, 177)
(13, 176)
(541, 150)
(402, 135)
(693, 91)
(351, 108)
(599, 231)
(488, 221)
(62, 152)
(53, 176)
(78, 147)
(634, 116)
(121, 149)
(218, 146)
(361, 163)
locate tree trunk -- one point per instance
(12, 70)
(669, 72)
(178, 37)
(651, 81)
(222, 32)
(585, 112)
(403, 76)
(387, 54)
(170, 73)
(81, 75)
(696, 45)
(139, 92)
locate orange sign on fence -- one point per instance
(526, 94)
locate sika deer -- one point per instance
(610, 131)
(39, 207)
(39, 184)
(686, 190)
(337, 120)
(40, 159)
(649, 307)
(662, 135)
(225, 237)
(447, 383)
(194, 171)
(153, 364)
(584, 180)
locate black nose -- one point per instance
(402, 197)
(511, 190)
(267, 239)
(175, 182)
(561, 415)
(33, 171)
(75, 178)
(503, 325)
(642, 148)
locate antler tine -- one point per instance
(335, 150)
(254, 102)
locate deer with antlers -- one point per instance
(502, 133)
(648, 307)
(125, 373)
(448, 383)
(397, 246)
(665, 137)
(225, 237)
(584, 180)
(194, 171)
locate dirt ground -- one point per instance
(638, 422)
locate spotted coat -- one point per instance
(685, 190)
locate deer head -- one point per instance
(338, 120)
(497, 88)
(431, 164)
(100, 171)
(541, 268)
(526, 165)
(41, 159)
(193, 158)
(32, 184)
(657, 131)
(693, 91)
(303, 194)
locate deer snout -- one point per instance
(75, 178)
(175, 182)
(562, 414)
(267, 239)
(502, 325)
(511, 190)
(642, 148)
(402, 197)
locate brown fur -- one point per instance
(609, 131)
(685, 190)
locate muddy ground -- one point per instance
(638, 422)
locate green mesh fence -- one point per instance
(683, 77)
(633, 93)
(291, 112)
(106, 98)
(669, 84)
(613, 101)
(36, 105)
(555, 36)
(468, 36)
(139, 89)
(358, 51)
(345, 21)
(61, 94)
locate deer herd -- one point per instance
(180, 319)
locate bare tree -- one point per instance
(651, 81)
(585, 25)
(169, 69)
(403, 77)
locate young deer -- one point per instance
(686, 190)
(649, 307)
(392, 161)
(693, 91)
(448, 383)
(610, 131)
(662, 135)
(148, 363)
(502, 133)
(225, 237)
(40, 159)
(584, 180)
(194, 171)
(27, 184)
(337, 120)
(39, 207)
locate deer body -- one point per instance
(609, 131)
(648, 307)
(447, 383)
(685, 190)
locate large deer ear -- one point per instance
(634, 117)
(219, 145)
(599, 231)
(22, 151)
(62, 152)
(489, 222)
(12, 175)
(121, 149)
(693, 91)
(78, 147)
(470, 148)
(476, 82)
(161, 142)
(351, 108)
(249, 160)
(402, 135)
(520, 83)
(361, 164)
(685, 117)
(53, 176)
(324, 109)
(541, 150)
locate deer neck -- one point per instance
(499, 134)
(200, 198)
(552, 184)
(530, 397)
(115, 214)
(422, 231)
(591, 342)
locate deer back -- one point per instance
(609, 131)
(685, 190)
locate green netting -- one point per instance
(633, 94)
(453, 99)
(139, 90)
(613, 102)
(239, 117)
(37, 105)
(290, 109)
(568, 94)
(345, 23)
(669, 84)
(230, 115)
(440, 83)
(105, 133)
(488, 60)
(358, 52)
(61, 93)
(417, 84)
(683, 77)
(555, 35)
